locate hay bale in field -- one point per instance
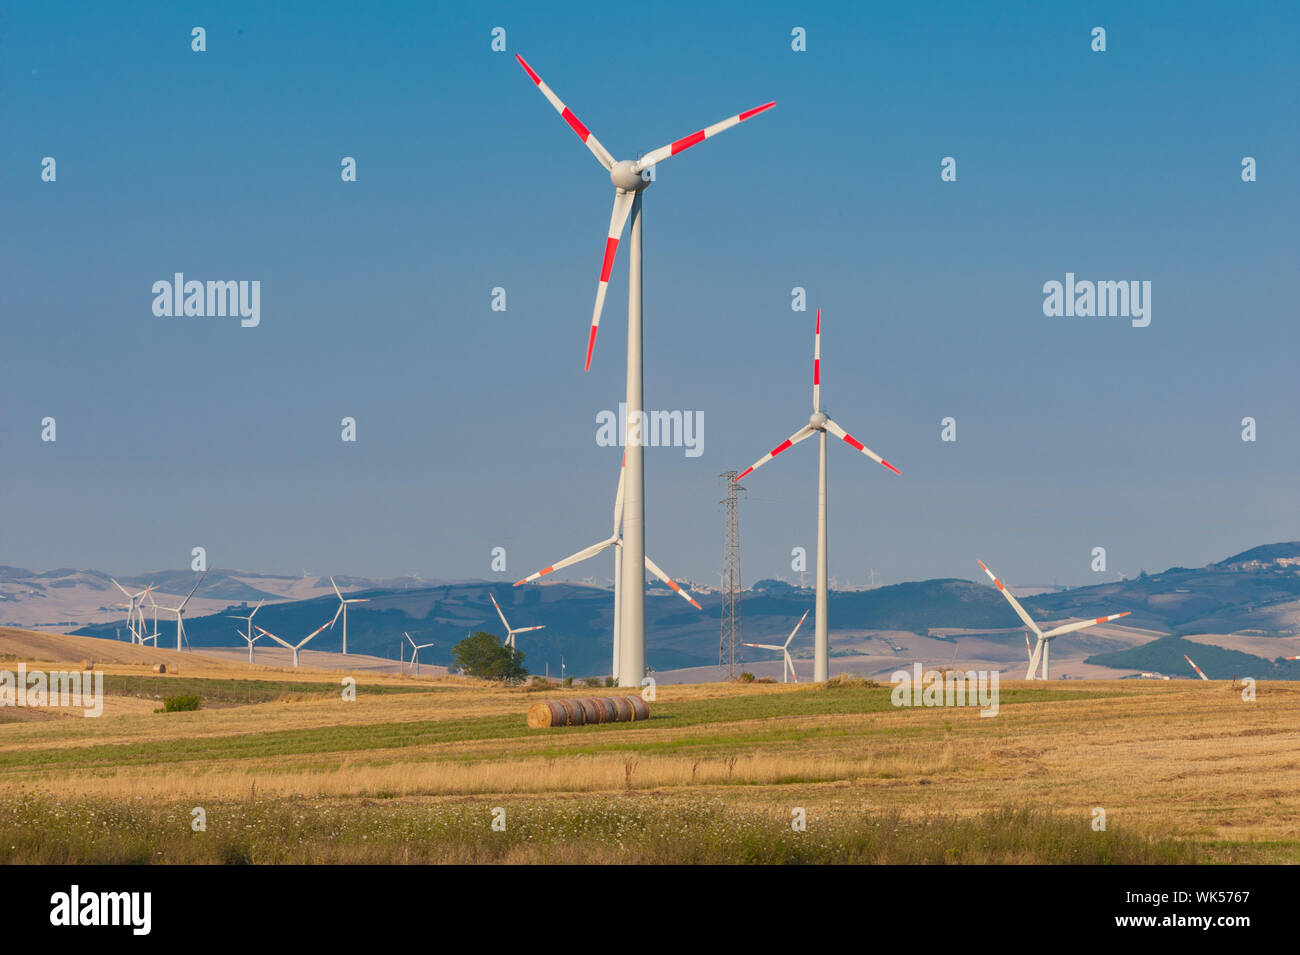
(579, 712)
(160, 668)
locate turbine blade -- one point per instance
(283, 643)
(672, 584)
(817, 365)
(677, 146)
(617, 219)
(1033, 660)
(336, 615)
(1196, 668)
(764, 646)
(600, 152)
(312, 634)
(191, 593)
(581, 555)
(804, 432)
(527, 629)
(336, 588)
(796, 628)
(1071, 627)
(504, 623)
(853, 442)
(1015, 604)
(618, 497)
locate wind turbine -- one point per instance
(787, 668)
(249, 636)
(415, 651)
(511, 631)
(343, 609)
(155, 635)
(1196, 668)
(289, 646)
(819, 424)
(1044, 639)
(630, 178)
(135, 608)
(615, 540)
(180, 614)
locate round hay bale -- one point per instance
(640, 708)
(606, 707)
(622, 709)
(540, 715)
(591, 711)
(573, 710)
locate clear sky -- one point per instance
(477, 428)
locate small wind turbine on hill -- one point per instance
(289, 646)
(511, 631)
(415, 651)
(1044, 639)
(615, 541)
(180, 613)
(249, 637)
(787, 667)
(819, 424)
(343, 609)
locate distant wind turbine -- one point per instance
(787, 668)
(249, 637)
(180, 613)
(289, 646)
(343, 609)
(415, 651)
(511, 631)
(1044, 638)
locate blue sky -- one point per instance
(476, 428)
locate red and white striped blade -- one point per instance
(617, 219)
(1084, 624)
(673, 148)
(672, 584)
(600, 152)
(790, 663)
(804, 432)
(1196, 668)
(796, 628)
(854, 443)
(580, 556)
(1029, 651)
(1015, 604)
(529, 629)
(504, 622)
(316, 631)
(817, 365)
(764, 646)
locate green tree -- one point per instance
(482, 654)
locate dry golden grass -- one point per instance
(1177, 759)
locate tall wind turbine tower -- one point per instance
(630, 179)
(819, 424)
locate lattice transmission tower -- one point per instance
(730, 650)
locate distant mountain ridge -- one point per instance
(1256, 591)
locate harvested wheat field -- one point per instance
(287, 769)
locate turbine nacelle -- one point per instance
(817, 421)
(624, 175)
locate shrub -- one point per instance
(592, 681)
(180, 704)
(746, 677)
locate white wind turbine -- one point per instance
(289, 646)
(155, 635)
(134, 610)
(342, 608)
(787, 668)
(1044, 639)
(511, 631)
(630, 178)
(180, 613)
(819, 424)
(249, 637)
(615, 541)
(415, 651)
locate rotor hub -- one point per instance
(817, 420)
(624, 176)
